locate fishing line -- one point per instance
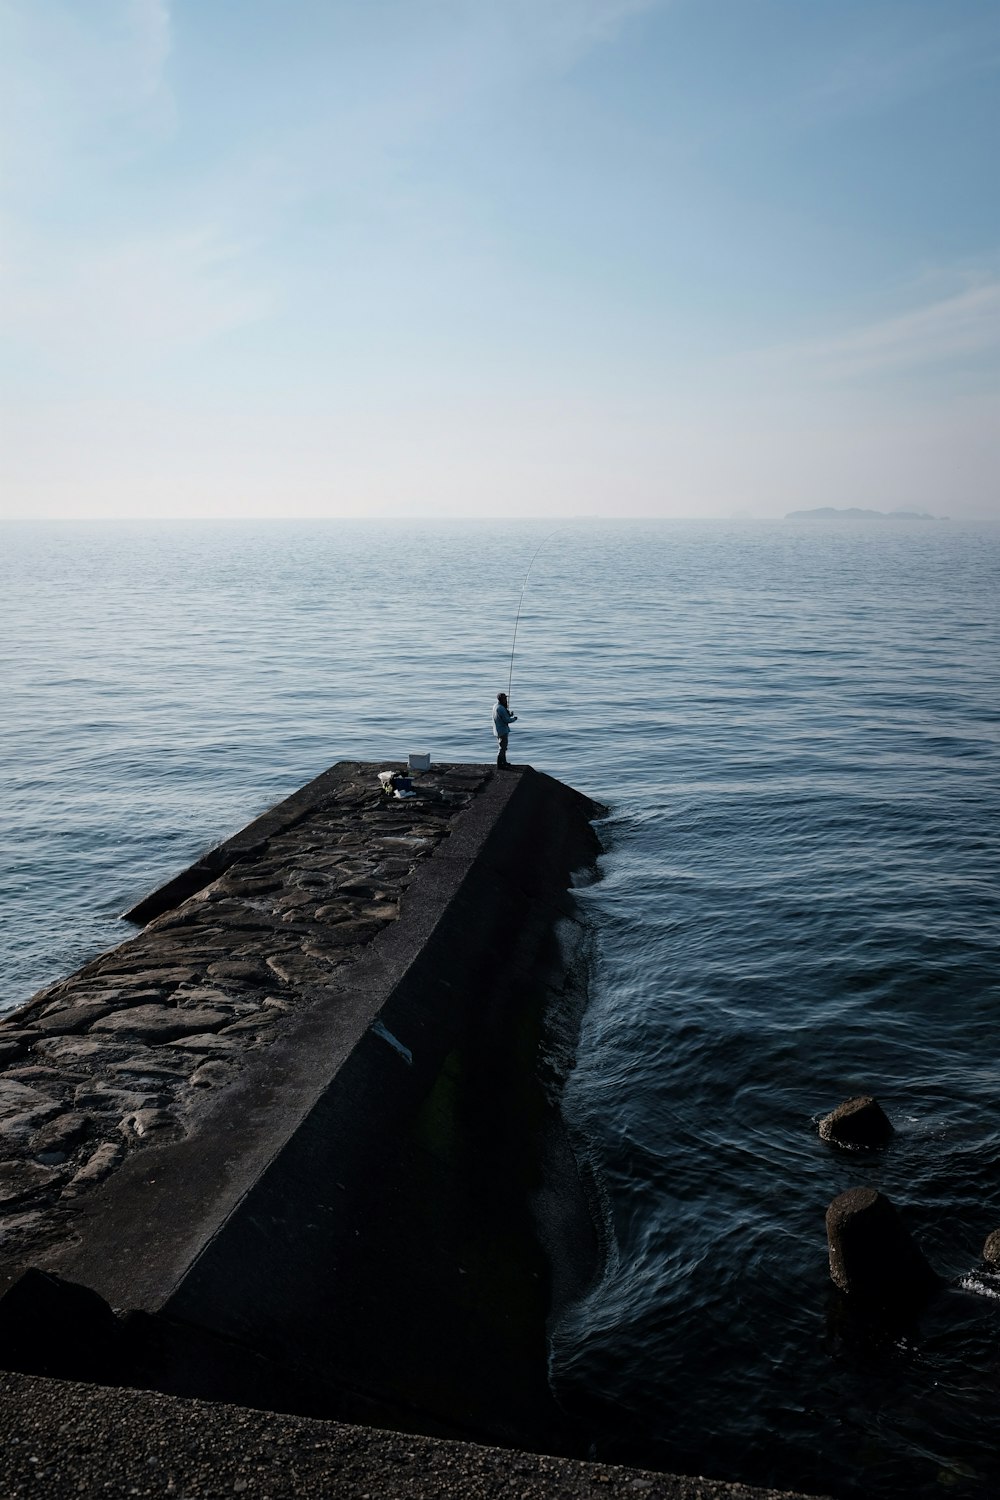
(524, 585)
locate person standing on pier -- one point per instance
(502, 720)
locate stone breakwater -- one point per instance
(100, 1064)
(296, 1144)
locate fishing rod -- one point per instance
(524, 585)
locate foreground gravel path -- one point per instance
(65, 1440)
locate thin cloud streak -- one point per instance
(949, 331)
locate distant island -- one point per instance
(831, 513)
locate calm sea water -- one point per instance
(796, 730)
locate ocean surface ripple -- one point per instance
(795, 728)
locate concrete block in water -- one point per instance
(872, 1256)
(856, 1122)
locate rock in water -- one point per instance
(991, 1250)
(872, 1256)
(856, 1122)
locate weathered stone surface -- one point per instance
(19, 1036)
(177, 922)
(61, 1135)
(238, 915)
(211, 1074)
(81, 986)
(244, 971)
(260, 886)
(121, 993)
(250, 1024)
(191, 947)
(872, 1256)
(37, 1073)
(97, 1166)
(159, 1067)
(341, 935)
(335, 911)
(314, 881)
(99, 1098)
(295, 901)
(23, 1179)
(215, 999)
(79, 1049)
(16, 1098)
(209, 1042)
(381, 911)
(13, 1226)
(296, 969)
(856, 1122)
(146, 1122)
(991, 1250)
(333, 960)
(363, 889)
(18, 1130)
(159, 1022)
(166, 978)
(65, 1019)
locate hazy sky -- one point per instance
(482, 257)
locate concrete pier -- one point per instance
(291, 1147)
(297, 1122)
